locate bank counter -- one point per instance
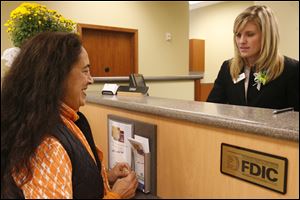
(190, 137)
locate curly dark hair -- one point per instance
(31, 96)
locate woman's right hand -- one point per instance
(126, 186)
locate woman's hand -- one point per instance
(120, 170)
(126, 186)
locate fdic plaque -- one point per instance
(266, 170)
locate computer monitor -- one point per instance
(136, 80)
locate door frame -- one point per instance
(134, 32)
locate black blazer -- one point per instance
(280, 93)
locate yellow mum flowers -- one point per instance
(31, 18)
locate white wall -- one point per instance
(214, 24)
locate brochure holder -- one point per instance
(147, 173)
(141, 161)
(147, 182)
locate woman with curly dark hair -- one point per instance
(47, 149)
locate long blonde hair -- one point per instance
(270, 59)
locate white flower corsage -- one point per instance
(9, 55)
(260, 78)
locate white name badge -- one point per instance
(241, 77)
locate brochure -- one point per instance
(119, 147)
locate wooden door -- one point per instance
(112, 51)
(197, 55)
(197, 64)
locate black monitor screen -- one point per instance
(140, 81)
(137, 80)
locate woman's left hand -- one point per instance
(120, 170)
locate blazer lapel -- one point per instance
(240, 89)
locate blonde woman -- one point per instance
(257, 75)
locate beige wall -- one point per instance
(287, 13)
(152, 19)
(214, 24)
(183, 89)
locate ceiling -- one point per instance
(199, 4)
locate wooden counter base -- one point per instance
(188, 156)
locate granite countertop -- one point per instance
(249, 119)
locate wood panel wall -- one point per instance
(197, 65)
(196, 55)
(204, 90)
